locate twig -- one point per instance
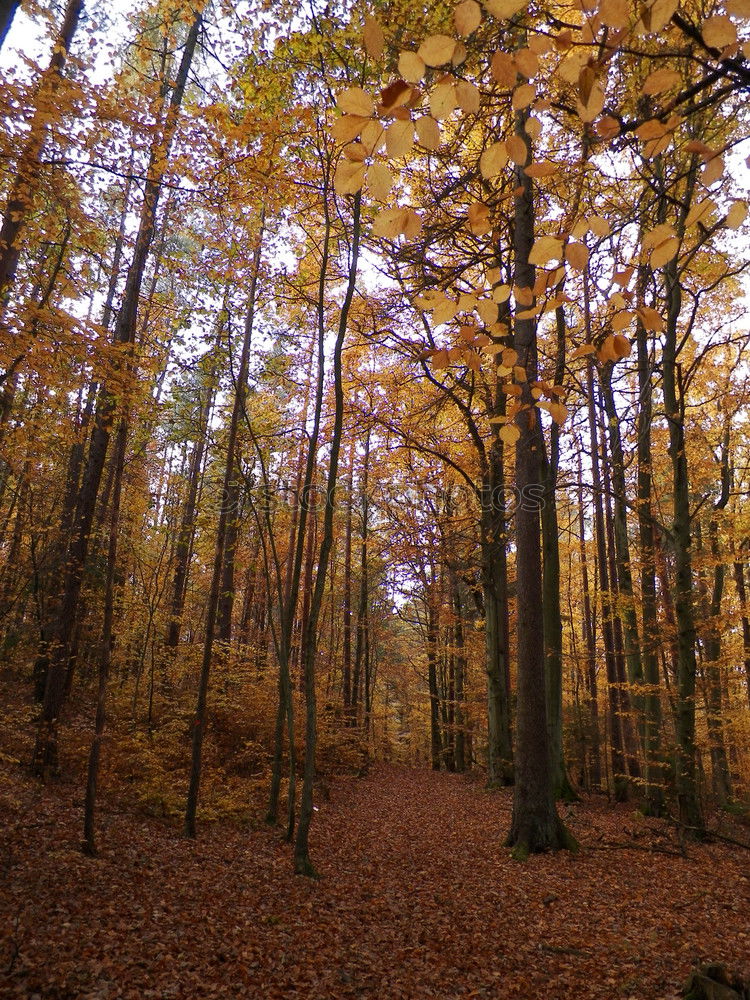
(636, 847)
(563, 951)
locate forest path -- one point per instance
(417, 899)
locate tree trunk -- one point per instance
(45, 752)
(89, 828)
(681, 538)
(8, 10)
(655, 778)
(238, 410)
(535, 825)
(21, 197)
(302, 863)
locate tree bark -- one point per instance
(535, 825)
(238, 410)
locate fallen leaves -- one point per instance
(412, 869)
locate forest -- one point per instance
(374, 475)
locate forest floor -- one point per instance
(417, 898)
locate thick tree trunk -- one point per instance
(535, 825)
(681, 538)
(8, 10)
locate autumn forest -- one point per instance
(374, 476)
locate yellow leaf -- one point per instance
(467, 17)
(558, 412)
(614, 13)
(527, 62)
(440, 360)
(661, 80)
(479, 218)
(700, 212)
(348, 127)
(355, 151)
(523, 296)
(545, 249)
(493, 160)
(660, 13)
(582, 351)
(388, 223)
(509, 433)
(621, 346)
(544, 168)
(466, 302)
(443, 100)
(373, 136)
(664, 253)
(373, 38)
(594, 105)
(510, 357)
(738, 8)
(501, 294)
(487, 310)
(736, 215)
(503, 69)
(428, 132)
(614, 348)
(712, 171)
(395, 95)
(651, 129)
(355, 101)
(411, 66)
(651, 319)
(379, 181)
(622, 319)
(393, 222)
(517, 150)
(444, 311)
(533, 127)
(599, 226)
(399, 138)
(519, 373)
(437, 50)
(523, 96)
(718, 32)
(504, 8)
(577, 255)
(468, 97)
(349, 177)
(472, 359)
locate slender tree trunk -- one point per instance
(436, 743)
(238, 410)
(589, 639)
(655, 778)
(551, 582)
(739, 582)
(23, 190)
(362, 636)
(302, 863)
(45, 752)
(346, 653)
(89, 828)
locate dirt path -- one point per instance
(417, 899)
